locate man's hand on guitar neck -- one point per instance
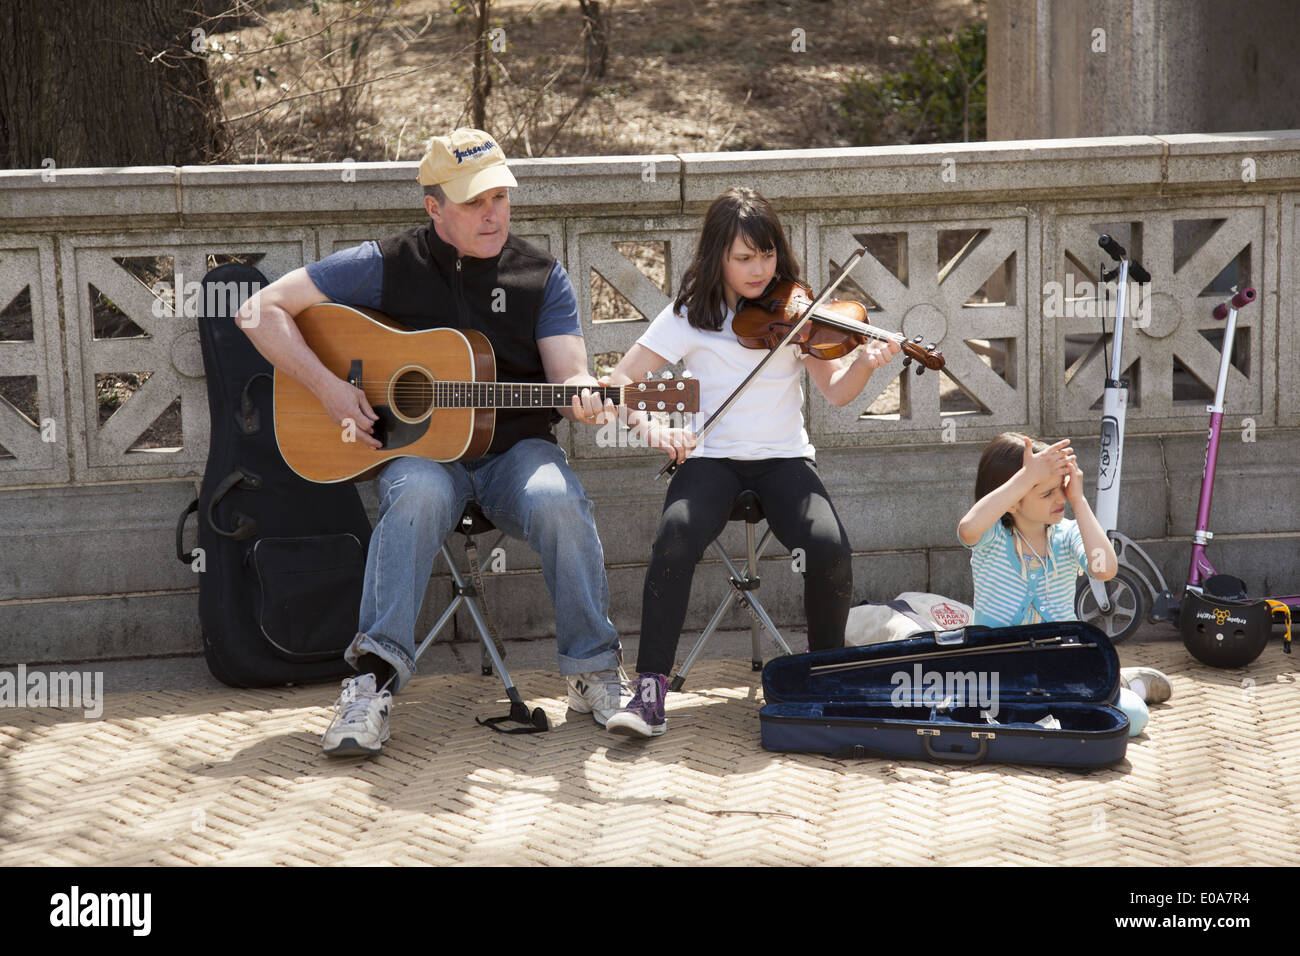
(587, 408)
(564, 358)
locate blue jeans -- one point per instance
(529, 492)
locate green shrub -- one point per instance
(940, 98)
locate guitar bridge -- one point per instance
(354, 373)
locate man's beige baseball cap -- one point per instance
(464, 163)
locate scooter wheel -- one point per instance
(1127, 605)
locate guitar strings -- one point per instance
(527, 386)
(445, 389)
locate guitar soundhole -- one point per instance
(410, 393)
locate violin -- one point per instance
(781, 319)
(834, 329)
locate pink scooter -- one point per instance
(1221, 625)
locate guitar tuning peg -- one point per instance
(687, 374)
(920, 370)
(649, 375)
(668, 373)
(907, 360)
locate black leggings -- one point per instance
(699, 501)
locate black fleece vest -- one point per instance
(426, 285)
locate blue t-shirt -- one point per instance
(1008, 594)
(355, 276)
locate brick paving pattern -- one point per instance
(218, 776)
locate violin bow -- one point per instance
(825, 294)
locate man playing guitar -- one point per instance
(462, 269)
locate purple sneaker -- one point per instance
(644, 716)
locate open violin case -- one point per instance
(1037, 694)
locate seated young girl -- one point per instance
(1026, 555)
(761, 445)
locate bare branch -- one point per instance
(332, 89)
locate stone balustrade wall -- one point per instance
(989, 250)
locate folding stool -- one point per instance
(749, 509)
(474, 522)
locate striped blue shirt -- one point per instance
(1008, 594)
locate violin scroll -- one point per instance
(926, 356)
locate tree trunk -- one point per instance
(596, 31)
(106, 83)
(482, 78)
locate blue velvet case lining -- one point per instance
(1083, 668)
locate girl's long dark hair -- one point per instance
(1002, 458)
(738, 211)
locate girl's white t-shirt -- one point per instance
(767, 420)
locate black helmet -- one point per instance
(1221, 626)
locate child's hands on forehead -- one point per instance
(1054, 463)
(1073, 484)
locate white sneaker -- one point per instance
(360, 724)
(599, 693)
(1147, 682)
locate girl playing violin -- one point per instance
(761, 445)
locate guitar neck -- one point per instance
(515, 394)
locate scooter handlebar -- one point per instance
(1118, 252)
(1111, 248)
(1238, 301)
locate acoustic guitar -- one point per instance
(435, 392)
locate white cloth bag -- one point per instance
(910, 613)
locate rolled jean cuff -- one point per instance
(604, 661)
(392, 654)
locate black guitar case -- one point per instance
(280, 559)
